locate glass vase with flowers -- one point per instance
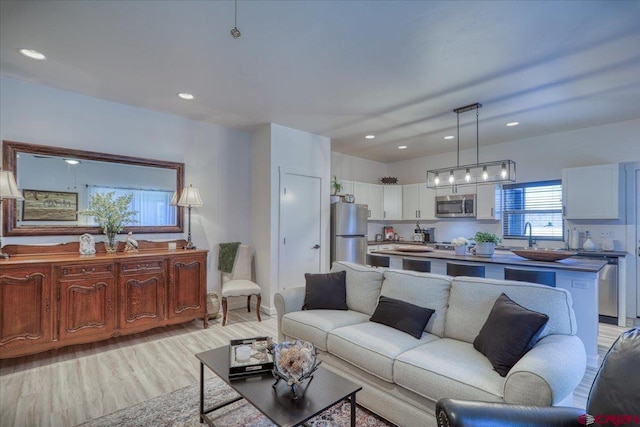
(111, 215)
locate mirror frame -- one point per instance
(10, 150)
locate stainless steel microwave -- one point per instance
(456, 206)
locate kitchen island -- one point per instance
(577, 275)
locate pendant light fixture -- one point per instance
(499, 171)
(235, 32)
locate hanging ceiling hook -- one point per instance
(235, 32)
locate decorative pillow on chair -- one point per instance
(402, 316)
(509, 332)
(325, 291)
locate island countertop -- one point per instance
(506, 258)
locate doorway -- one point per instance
(300, 237)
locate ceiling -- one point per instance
(344, 69)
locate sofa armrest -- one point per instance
(466, 413)
(548, 373)
(286, 301)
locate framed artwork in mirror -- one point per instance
(42, 205)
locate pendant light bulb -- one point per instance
(452, 179)
(485, 174)
(235, 32)
(467, 175)
(503, 173)
(436, 180)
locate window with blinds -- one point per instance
(539, 203)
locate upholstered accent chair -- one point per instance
(239, 282)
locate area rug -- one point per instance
(180, 409)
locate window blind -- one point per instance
(539, 203)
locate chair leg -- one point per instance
(258, 307)
(248, 303)
(224, 311)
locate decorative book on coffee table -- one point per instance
(250, 356)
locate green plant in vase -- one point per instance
(336, 185)
(110, 215)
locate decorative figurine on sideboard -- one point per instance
(87, 244)
(130, 245)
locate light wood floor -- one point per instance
(68, 386)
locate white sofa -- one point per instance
(403, 377)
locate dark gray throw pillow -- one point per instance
(509, 332)
(402, 316)
(325, 291)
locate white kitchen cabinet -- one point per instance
(591, 192)
(489, 201)
(418, 202)
(376, 202)
(347, 186)
(372, 248)
(371, 195)
(392, 202)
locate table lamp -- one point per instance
(190, 197)
(8, 190)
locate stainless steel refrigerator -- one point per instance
(348, 232)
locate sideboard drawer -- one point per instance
(79, 270)
(142, 266)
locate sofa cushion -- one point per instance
(432, 371)
(372, 346)
(363, 286)
(472, 299)
(325, 291)
(314, 325)
(401, 315)
(422, 289)
(509, 332)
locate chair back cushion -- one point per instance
(241, 265)
(616, 388)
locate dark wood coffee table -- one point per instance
(325, 390)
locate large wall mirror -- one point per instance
(57, 182)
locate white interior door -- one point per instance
(300, 228)
(636, 248)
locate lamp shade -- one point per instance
(174, 198)
(190, 197)
(8, 186)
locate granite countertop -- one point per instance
(507, 258)
(394, 242)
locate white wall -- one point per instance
(274, 147)
(217, 159)
(356, 168)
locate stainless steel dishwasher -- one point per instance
(607, 288)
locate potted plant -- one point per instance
(485, 243)
(336, 187)
(460, 245)
(111, 215)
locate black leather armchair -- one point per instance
(615, 393)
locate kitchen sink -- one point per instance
(539, 254)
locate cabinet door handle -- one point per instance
(84, 270)
(492, 212)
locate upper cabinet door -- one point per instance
(347, 186)
(426, 202)
(591, 192)
(489, 202)
(376, 204)
(410, 201)
(361, 194)
(392, 197)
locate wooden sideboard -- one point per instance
(51, 297)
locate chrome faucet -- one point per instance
(528, 224)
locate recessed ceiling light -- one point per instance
(185, 95)
(449, 137)
(72, 161)
(513, 124)
(370, 136)
(402, 147)
(33, 54)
